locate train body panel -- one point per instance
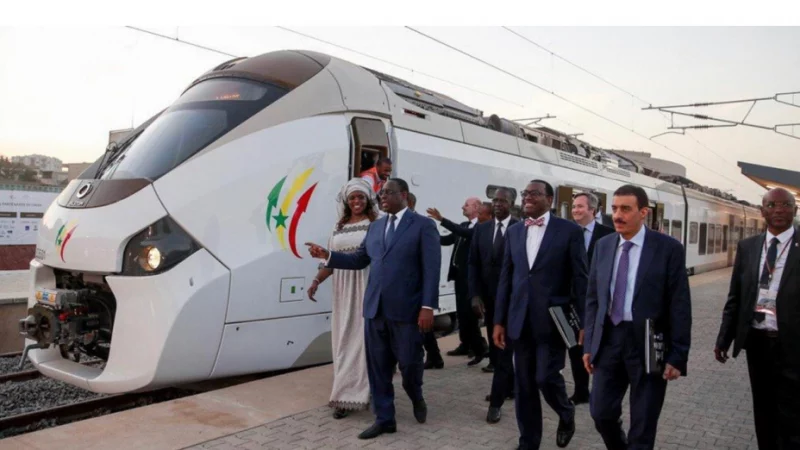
(194, 261)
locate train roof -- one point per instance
(291, 69)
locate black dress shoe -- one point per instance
(475, 360)
(577, 399)
(420, 411)
(493, 416)
(376, 430)
(565, 432)
(340, 413)
(432, 363)
(488, 369)
(461, 350)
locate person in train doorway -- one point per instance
(637, 275)
(378, 174)
(601, 217)
(469, 333)
(485, 263)
(403, 253)
(544, 262)
(433, 355)
(584, 208)
(762, 316)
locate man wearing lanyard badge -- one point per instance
(762, 316)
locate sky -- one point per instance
(62, 89)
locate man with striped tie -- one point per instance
(544, 262)
(637, 276)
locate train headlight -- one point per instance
(157, 248)
(152, 259)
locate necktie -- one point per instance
(621, 285)
(538, 222)
(772, 255)
(497, 245)
(390, 232)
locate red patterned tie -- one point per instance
(538, 222)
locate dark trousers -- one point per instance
(776, 393)
(389, 343)
(579, 373)
(538, 368)
(431, 346)
(619, 364)
(501, 359)
(469, 333)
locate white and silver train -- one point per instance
(178, 255)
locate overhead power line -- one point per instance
(725, 122)
(560, 97)
(175, 39)
(619, 88)
(399, 66)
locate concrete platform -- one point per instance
(13, 305)
(710, 409)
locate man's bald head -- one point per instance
(471, 206)
(778, 207)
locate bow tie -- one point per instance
(538, 222)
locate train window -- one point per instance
(710, 244)
(204, 113)
(665, 226)
(677, 230)
(718, 238)
(703, 234)
(371, 144)
(725, 238)
(693, 233)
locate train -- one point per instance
(178, 255)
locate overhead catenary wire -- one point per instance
(399, 66)
(560, 97)
(604, 80)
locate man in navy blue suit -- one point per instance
(636, 274)
(485, 264)
(543, 263)
(402, 250)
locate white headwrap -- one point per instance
(360, 185)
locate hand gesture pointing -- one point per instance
(316, 251)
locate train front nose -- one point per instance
(124, 283)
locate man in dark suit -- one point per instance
(584, 208)
(485, 263)
(460, 235)
(402, 250)
(433, 355)
(544, 262)
(636, 274)
(762, 316)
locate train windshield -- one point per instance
(200, 116)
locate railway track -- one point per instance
(59, 415)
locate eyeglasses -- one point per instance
(533, 194)
(773, 205)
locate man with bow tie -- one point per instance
(543, 264)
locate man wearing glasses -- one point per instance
(762, 316)
(543, 263)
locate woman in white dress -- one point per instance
(357, 207)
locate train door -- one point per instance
(655, 215)
(371, 143)
(564, 202)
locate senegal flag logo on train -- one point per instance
(282, 221)
(62, 237)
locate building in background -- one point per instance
(39, 162)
